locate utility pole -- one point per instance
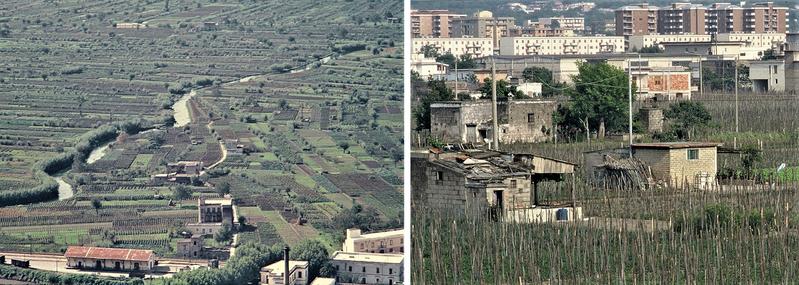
(495, 130)
(456, 78)
(701, 86)
(630, 101)
(736, 95)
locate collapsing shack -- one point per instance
(474, 181)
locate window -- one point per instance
(350, 268)
(439, 175)
(299, 274)
(363, 269)
(377, 270)
(391, 271)
(693, 154)
(531, 117)
(513, 183)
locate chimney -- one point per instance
(286, 269)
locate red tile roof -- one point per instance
(108, 253)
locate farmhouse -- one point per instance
(212, 214)
(119, 259)
(367, 268)
(234, 147)
(520, 121)
(191, 247)
(376, 242)
(680, 164)
(473, 181)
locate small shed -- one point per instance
(680, 164)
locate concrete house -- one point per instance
(118, 259)
(680, 164)
(767, 76)
(375, 242)
(367, 268)
(191, 247)
(520, 121)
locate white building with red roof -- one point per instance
(100, 258)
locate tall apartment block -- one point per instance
(687, 18)
(681, 18)
(483, 24)
(636, 20)
(432, 23)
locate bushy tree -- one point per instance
(314, 252)
(181, 192)
(686, 118)
(544, 76)
(504, 89)
(432, 91)
(599, 98)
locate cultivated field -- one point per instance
(312, 94)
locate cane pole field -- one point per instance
(741, 231)
(293, 108)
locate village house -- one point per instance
(234, 147)
(428, 67)
(680, 164)
(520, 121)
(191, 247)
(473, 181)
(767, 76)
(274, 274)
(212, 214)
(367, 268)
(118, 259)
(285, 272)
(375, 242)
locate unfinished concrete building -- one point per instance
(792, 63)
(520, 121)
(473, 182)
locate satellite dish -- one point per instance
(781, 167)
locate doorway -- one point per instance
(498, 198)
(117, 265)
(99, 264)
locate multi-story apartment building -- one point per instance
(687, 18)
(475, 47)
(566, 23)
(636, 20)
(377, 242)
(432, 23)
(561, 45)
(640, 41)
(681, 18)
(754, 45)
(483, 24)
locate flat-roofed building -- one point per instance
(432, 23)
(767, 76)
(483, 24)
(680, 164)
(376, 242)
(274, 274)
(428, 67)
(561, 45)
(100, 258)
(367, 268)
(636, 20)
(754, 45)
(474, 47)
(212, 215)
(641, 41)
(681, 18)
